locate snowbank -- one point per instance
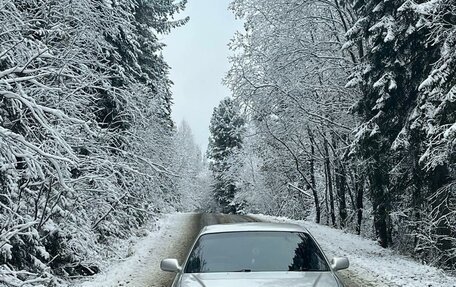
(142, 268)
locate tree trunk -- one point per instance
(359, 187)
(341, 196)
(341, 184)
(330, 183)
(442, 189)
(380, 203)
(312, 176)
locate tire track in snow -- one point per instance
(177, 243)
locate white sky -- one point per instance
(198, 56)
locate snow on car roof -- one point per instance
(252, 226)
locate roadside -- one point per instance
(142, 269)
(371, 265)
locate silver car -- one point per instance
(253, 255)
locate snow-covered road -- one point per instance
(371, 266)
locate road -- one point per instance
(173, 234)
(201, 220)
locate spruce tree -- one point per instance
(434, 119)
(396, 61)
(226, 129)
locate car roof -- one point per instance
(252, 226)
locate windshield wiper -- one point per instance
(199, 280)
(243, 270)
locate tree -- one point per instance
(352, 104)
(405, 79)
(288, 69)
(226, 129)
(433, 120)
(85, 131)
(192, 187)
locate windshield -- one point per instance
(255, 252)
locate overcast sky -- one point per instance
(197, 54)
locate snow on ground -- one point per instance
(142, 268)
(369, 262)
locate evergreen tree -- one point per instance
(402, 91)
(434, 120)
(392, 71)
(226, 129)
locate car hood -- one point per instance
(260, 279)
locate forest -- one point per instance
(88, 149)
(343, 112)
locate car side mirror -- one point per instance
(170, 265)
(339, 263)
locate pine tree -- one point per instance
(226, 129)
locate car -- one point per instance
(256, 254)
